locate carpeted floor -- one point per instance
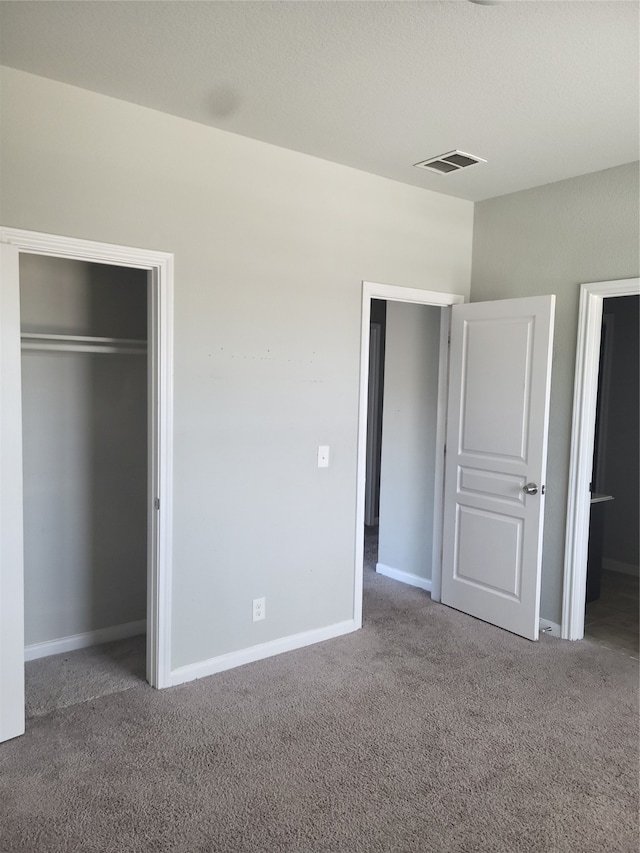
(55, 682)
(613, 619)
(425, 731)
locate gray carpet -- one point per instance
(425, 731)
(58, 681)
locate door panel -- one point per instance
(504, 401)
(487, 538)
(500, 369)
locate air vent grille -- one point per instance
(453, 161)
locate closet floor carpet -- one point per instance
(59, 681)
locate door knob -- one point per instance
(530, 489)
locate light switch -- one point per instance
(323, 456)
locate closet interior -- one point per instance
(85, 435)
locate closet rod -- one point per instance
(82, 343)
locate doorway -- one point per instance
(613, 575)
(403, 384)
(154, 273)
(593, 298)
(489, 492)
(406, 298)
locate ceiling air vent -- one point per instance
(451, 162)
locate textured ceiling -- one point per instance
(542, 90)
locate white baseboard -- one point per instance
(551, 629)
(403, 577)
(622, 568)
(83, 641)
(255, 653)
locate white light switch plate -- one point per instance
(323, 456)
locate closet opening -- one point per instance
(85, 375)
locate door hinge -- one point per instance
(156, 503)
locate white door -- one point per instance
(11, 560)
(498, 412)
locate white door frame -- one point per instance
(394, 293)
(582, 438)
(160, 428)
(11, 551)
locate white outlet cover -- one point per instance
(323, 456)
(259, 609)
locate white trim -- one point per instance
(396, 293)
(550, 629)
(159, 582)
(621, 568)
(160, 347)
(441, 439)
(264, 650)
(11, 546)
(83, 641)
(58, 246)
(403, 577)
(392, 293)
(582, 437)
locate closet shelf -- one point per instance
(82, 343)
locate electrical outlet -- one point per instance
(259, 609)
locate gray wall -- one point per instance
(550, 240)
(84, 451)
(622, 449)
(61, 296)
(270, 250)
(408, 438)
